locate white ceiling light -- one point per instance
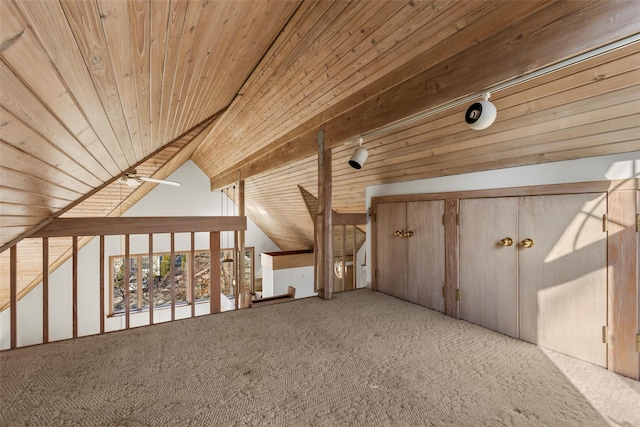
(359, 157)
(480, 115)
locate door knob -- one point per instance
(507, 241)
(526, 243)
(399, 233)
(408, 234)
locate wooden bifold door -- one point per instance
(410, 259)
(535, 268)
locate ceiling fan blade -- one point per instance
(131, 182)
(160, 181)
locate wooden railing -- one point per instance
(101, 227)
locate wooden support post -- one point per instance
(125, 282)
(172, 272)
(74, 280)
(343, 281)
(192, 275)
(451, 257)
(45, 290)
(354, 280)
(13, 293)
(234, 279)
(101, 308)
(214, 272)
(325, 221)
(152, 279)
(241, 280)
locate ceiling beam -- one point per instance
(557, 32)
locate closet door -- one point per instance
(425, 253)
(390, 248)
(488, 268)
(563, 276)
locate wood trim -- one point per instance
(64, 227)
(451, 245)
(192, 275)
(74, 284)
(127, 272)
(45, 289)
(533, 190)
(102, 266)
(172, 272)
(214, 275)
(288, 259)
(623, 266)
(151, 288)
(13, 294)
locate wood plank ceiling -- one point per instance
(90, 89)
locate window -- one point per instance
(145, 274)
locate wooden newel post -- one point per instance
(324, 226)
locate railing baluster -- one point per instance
(13, 293)
(192, 275)
(151, 279)
(101, 285)
(45, 290)
(214, 272)
(74, 284)
(173, 277)
(127, 274)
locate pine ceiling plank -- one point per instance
(237, 59)
(31, 146)
(160, 13)
(21, 181)
(474, 68)
(18, 209)
(24, 107)
(181, 32)
(19, 220)
(27, 59)
(14, 158)
(200, 30)
(52, 28)
(12, 195)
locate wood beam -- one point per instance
(451, 237)
(74, 286)
(45, 290)
(64, 227)
(324, 223)
(102, 266)
(13, 295)
(513, 52)
(349, 218)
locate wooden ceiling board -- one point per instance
(92, 88)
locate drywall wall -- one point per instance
(603, 168)
(193, 198)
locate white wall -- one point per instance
(603, 168)
(194, 198)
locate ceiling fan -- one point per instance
(132, 179)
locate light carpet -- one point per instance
(361, 359)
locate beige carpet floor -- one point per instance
(362, 359)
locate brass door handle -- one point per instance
(507, 241)
(399, 233)
(526, 243)
(408, 234)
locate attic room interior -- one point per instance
(424, 212)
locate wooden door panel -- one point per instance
(488, 270)
(563, 277)
(390, 249)
(425, 254)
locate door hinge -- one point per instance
(457, 294)
(605, 223)
(638, 343)
(605, 335)
(372, 214)
(638, 223)
(444, 292)
(457, 219)
(444, 219)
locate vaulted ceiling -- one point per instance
(92, 89)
